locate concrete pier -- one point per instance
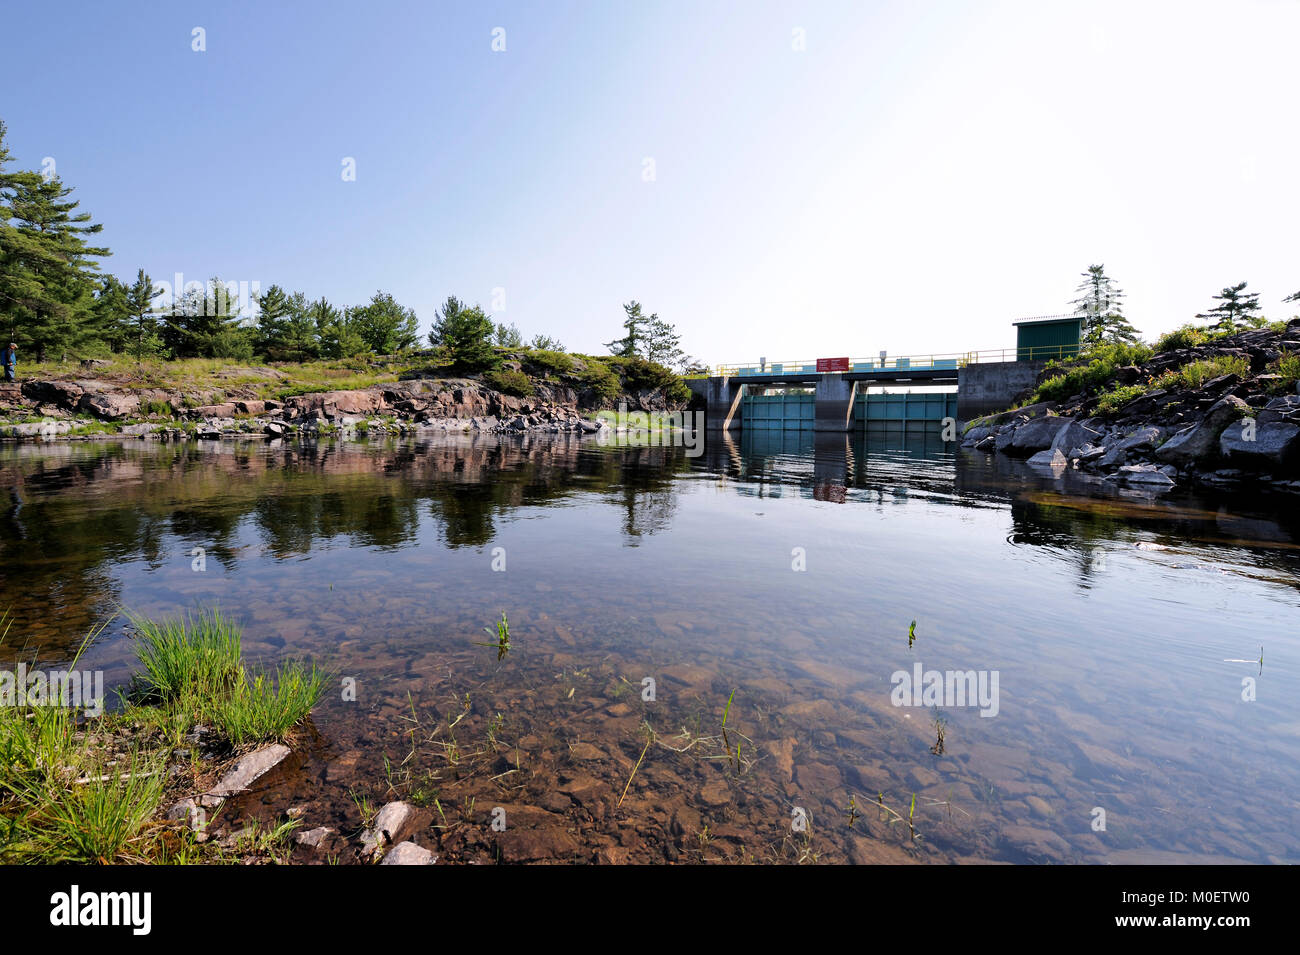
(835, 395)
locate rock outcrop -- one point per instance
(1226, 430)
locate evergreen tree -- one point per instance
(634, 327)
(508, 336)
(385, 326)
(142, 339)
(464, 335)
(272, 314)
(205, 323)
(1100, 305)
(300, 339)
(662, 343)
(1235, 304)
(111, 316)
(546, 343)
(336, 333)
(48, 274)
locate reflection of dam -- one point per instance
(833, 463)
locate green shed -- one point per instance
(1055, 336)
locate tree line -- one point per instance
(55, 301)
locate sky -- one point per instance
(779, 180)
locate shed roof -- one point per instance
(1049, 320)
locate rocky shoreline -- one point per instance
(1230, 430)
(88, 409)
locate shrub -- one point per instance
(600, 377)
(1288, 366)
(549, 361)
(1196, 373)
(509, 382)
(1185, 337)
(1111, 401)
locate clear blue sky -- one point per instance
(916, 177)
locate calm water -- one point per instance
(1119, 667)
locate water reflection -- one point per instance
(376, 557)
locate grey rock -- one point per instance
(1051, 459)
(391, 825)
(1275, 446)
(1074, 434)
(1036, 435)
(1201, 442)
(240, 777)
(1143, 439)
(408, 853)
(1284, 408)
(1113, 457)
(312, 838)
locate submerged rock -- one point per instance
(393, 823)
(408, 853)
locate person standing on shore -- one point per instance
(10, 361)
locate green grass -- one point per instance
(186, 659)
(1195, 374)
(90, 790)
(1288, 366)
(509, 382)
(1111, 401)
(1090, 372)
(261, 708)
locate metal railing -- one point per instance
(940, 361)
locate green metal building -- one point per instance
(1055, 336)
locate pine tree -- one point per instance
(662, 343)
(385, 326)
(48, 274)
(300, 339)
(272, 313)
(464, 335)
(1100, 305)
(142, 339)
(1235, 305)
(508, 336)
(111, 315)
(634, 327)
(205, 323)
(546, 343)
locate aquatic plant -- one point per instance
(503, 637)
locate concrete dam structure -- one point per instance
(835, 394)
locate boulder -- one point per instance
(1147, 475)
(240, 777)
(1074, 434)
(1284, 408)
(392, 824)
(408, 853)
(1052, 458)
(226, 409)
(1035, 435)
(1270, 446)
(1200, 442)
(1143, 439)
(1113, 457)
(107, 405)
(65, 394)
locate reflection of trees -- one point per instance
(74, 511)
(642, 483)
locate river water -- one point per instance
(1138, 657)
